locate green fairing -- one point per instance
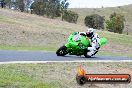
(103, 41)
(74, 45)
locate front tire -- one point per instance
(62, 51)
(87, 56)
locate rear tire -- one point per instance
(85, 54)
(62, 51)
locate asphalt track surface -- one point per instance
(12, 55)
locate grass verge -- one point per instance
(14, 76)
(57, 75)
(32, 48)
(102, 53)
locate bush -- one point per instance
(70, 16)
(94, 21)
(116, 23)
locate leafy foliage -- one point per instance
(94, 21)
(17, 4)
(21, 5)
(63, 7)
(53, 8)
(38, 8)
(116, 23)
(50, 8)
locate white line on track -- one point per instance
(77, 61)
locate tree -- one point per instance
(94, 21)
(28, 3)
(116, 23)
(21, 5)
(64, 5)
(38, 8)
(16, 4)
(2, 3)
(9, 3)
(51, 8)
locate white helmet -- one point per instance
(90, 32)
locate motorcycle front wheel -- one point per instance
(62, 51)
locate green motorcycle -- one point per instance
(77, 45)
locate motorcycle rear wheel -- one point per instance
(86, 55)
(62, 51)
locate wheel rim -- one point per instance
(62, 52)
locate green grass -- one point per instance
(13, 77)
(32, 48)
(117, 39)
(117, 45)
(114, 54)
(34, 75)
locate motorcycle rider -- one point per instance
(94, 41)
